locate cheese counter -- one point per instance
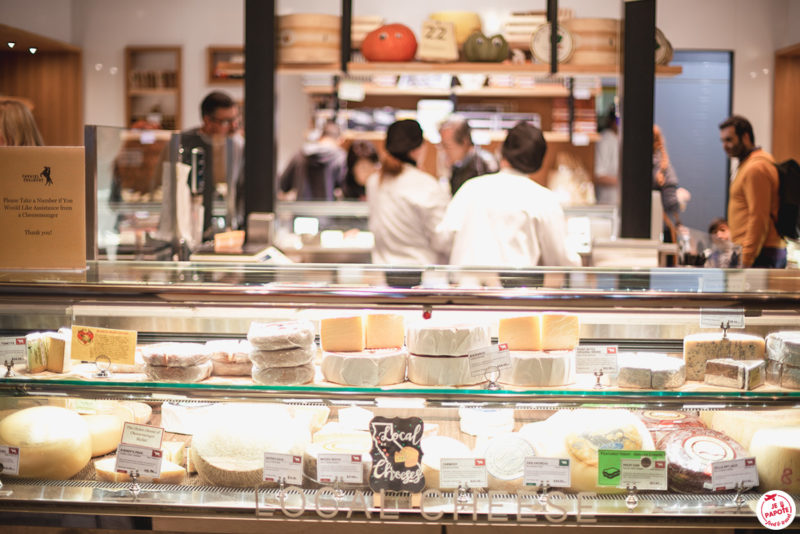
(319, 393)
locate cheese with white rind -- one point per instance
(539, 369)
(185, 375)
(741, 425)
(737, 374)
(229, 350)
(174, 451)
(385, 331)
(370, 368)
(342, 334)
(441, 371)
(699, 348)
(485, 421)
(173, 354)
(337, 446)
(560, 331)
(777, 453)
(106, 432)
(690, 453)
(650, 371)
(337, 431)
(784, 347)
(283, 376)
(54, 443)
(280, 335)
(171, 473)
(434, 449)
(521, 333)
(505, 460)
(447, 339)
(266, 359)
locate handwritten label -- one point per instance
(396, 454)
(714, 318)
(464, 472)
(727, 474)
(142, 435)
(135, 458)
(9, 459)
(89, 343)
(288, 467)
(492, 358)
(610, 470)
(589, 359)
(554, 472)
(12, 349)
(346, 468)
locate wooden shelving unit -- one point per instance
(225, 65)
(537, 91)
(495, 68)
(153, 85)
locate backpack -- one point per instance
(788, 221)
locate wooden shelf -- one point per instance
(154, 91)
(419, 67)
(541, 91)
(153, 71)
(327, 68)
(217, 55)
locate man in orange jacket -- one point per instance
(753, 202)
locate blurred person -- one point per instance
(722, 252)
(506, 219)
(665, 180)
(362, 162)
(753, 199)
(606, 161)
(719, 229)
(464, 159)
(317, 169)
(405, 203)
(17, 125)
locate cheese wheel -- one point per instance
(521, 333)
(54, 443)
(141, 411)
(185, 375)
(175, 354)
(661, 422)
(370, 368)
(283, 376)
(231, 368)
(539, 369)
(342, 445)
(777, 452)
(171, 473)
(784, 347)
(280, 335)
(265, 359)
(505, 460)
(434, 448)
(385, 331)
(338, 334)
(440, 371)
(690, 453)
(699, 348)
(485, 421)
(741, 425)
(336, 431)
(560, 331)
(447, 339)
(229, 350)
(106, 431)
(645, 370)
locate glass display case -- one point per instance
(573, 397)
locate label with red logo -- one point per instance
(145, 461)
(9, 460)
(596, 358)
(730, 474)
(288, 467)
(490, 359)
(464, 472)
(776, 510)
(345, 468)
(12, 350)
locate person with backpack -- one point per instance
(317, 169)
(754, 199)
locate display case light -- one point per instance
(33, 50)
(11, 44)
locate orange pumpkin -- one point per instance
(392, 42)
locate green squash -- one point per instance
(478, 47)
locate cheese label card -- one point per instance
(346, 468)
(727, 474)
(90, 343)
(437, 42)
(464, 472)
(12, 350)
(491, 359)
(715, 318)
(142, 435)
(9, 460)
(145, 460)
(288, 467)
(554, 472)
(42, 208)
(590, 359)
(396, 454)
(609, 468)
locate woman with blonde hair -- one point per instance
(673, 198)
(17, 125)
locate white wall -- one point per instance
(790, 22)
(51, 18)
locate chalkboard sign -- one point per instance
(396, 454)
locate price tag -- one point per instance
(551, 471)
(288, 467)
(492, 358)
(351, 90)
(9, 459)
(437, 42)
(713, 318)
(142, 435)
(727, 474)
(12, 349)
(346, 468)
(464, 472)
(145, 460)
(596, 358)
(644, 469)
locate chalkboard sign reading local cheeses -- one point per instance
(396, 454)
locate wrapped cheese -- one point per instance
(370, 368)
(281, 335)
(784, 347)
(267, 359)
(737, 374)
(175, 354)
(283, 376)
(699, 348)
(650, 371)
(230, 357)
(690, 453)
(444, 339)
(184, 374)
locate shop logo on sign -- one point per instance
(775, 510)
(42, 177)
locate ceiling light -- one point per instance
(11, 44)
(32, 50)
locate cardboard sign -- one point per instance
(42, 208)
(88, 343)
(727, 474)
(142, 435)
(396, 454)
(589, 359)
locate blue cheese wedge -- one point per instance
(737, 374)
(784, 347)
(699, 348)
(650, 371)
(783, 375)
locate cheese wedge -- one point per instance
(385, 331)
(57, 357)
(521, 333)
(170, 473)
(342, 334)
(560, 331)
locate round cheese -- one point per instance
(171, 473)
(231, 368)
(229, 350)
(741, 425)
(370, 368)
(505, 460)
(690, 453)
(446, 339)
(280, 335)
(175, 354)
(54, 443)
(539, 369)
(283, 358)
(185, 375)
(777, 452)
(283, 376)
(434, 448)
(106, 431)
(336, 431)
(440, 371)
(485, 421)
(661, 422)
(341, 445)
